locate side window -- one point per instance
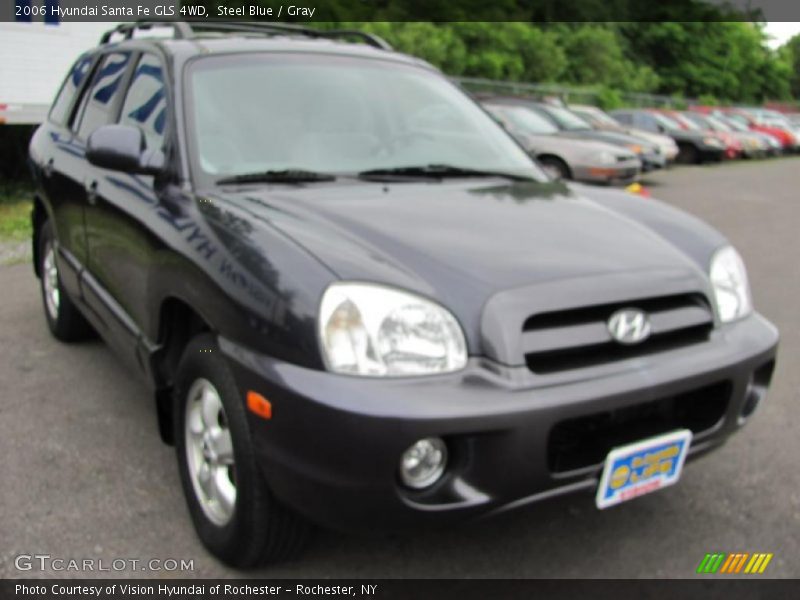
(61, 106)
(651, 124)
(623, 118)
(642, 121)
(146, 103)
(97, 105)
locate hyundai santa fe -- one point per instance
(359, 303)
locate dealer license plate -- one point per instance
(642, 467)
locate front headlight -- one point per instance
(731, 289)
(603, 158)
(378, 331)
(635, 148)
(710, 141)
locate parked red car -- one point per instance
(786, 138)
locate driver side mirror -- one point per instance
(123, 148)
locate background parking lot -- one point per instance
(86, 476)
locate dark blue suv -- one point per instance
(360, 303)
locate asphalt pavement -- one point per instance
(85, 476)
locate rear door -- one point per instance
(100, 106)
(124, 213)
(60, 167)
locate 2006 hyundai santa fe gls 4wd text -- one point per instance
(358, 301)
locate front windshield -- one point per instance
(524, 119)
(736, 124)
(598, 117)
(336, 115)
(689, 123)
(665, 121)
(718, 125)
(739, 119)
(696, 121)
(567, 119)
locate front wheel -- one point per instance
(556, 168)
(689, 155)
(234, 513)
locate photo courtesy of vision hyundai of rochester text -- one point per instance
(360, 303)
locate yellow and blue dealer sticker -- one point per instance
(642, 467)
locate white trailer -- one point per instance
(34, 59)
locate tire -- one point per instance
(234, 513)
(689, 154)
(555, 167)
(64, 320)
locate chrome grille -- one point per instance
(579, 338)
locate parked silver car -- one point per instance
(566, 157)
(599, 119)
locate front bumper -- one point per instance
(671, 153)
(621, 172)
(332, 447)
(652, 161)
(712, 153)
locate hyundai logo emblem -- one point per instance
(629, 326)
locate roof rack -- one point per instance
(183, 30)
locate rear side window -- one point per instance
(146, 103)
(97, 104)
(623, 118)
(645, 122)
(61, 107)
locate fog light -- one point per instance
(752, 400)
(423, 463)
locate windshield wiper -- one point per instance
(279, 176)
(437, 171)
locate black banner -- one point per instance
(417, 589)
(539, 11)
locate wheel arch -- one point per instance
(556, 157)
(38, 217)
(178, 323)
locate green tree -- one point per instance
(512, 51)
(725, 59)
(790, 54)
(440, 46)
(495, 50)
(596, 55)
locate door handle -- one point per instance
(47, 169)
(91, 193)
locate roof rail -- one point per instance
(185, 30)
(181, 29)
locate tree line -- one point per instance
(717, 62)
(704, 49)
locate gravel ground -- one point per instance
(13, 252)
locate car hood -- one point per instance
(570, 148)
(687, 135)
(653, 138)
(609, 137)
(461, 242)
